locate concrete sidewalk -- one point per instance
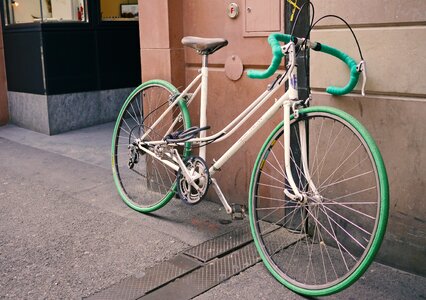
(65, 233)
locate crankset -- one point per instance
(193, 191)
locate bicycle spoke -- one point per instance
(328, 254)
(341, 160)
(344, 230)
(295, 249)
(342, 204)
(279, 220)
(277, 207)
(334, 237)
(264, 173)
(315, 158)
(310, 250)
(271, 186)
(338, 167)
(322, 163)
(139, 106)
(345, 180)
(278, 163)
(135, 114)
(354, 193)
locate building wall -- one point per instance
(80, 75)
(228, 98)
(391, 35)
(4, 112)
(393, 111)
(163, 56)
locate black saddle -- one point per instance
(204, 46)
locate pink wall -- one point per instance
(163, 56)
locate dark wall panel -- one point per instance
(70, 61)
(119, 57)
(78, 57)
(23, 61)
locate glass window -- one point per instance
(119, 10)
(29, 11)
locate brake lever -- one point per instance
(361, 67)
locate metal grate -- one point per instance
(208, 276)
(127, 289)
(183, 277)
(133, 288)
(221, 245)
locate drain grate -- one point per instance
(221, 245)
(208, 276)
(218, 270)
(132, 288)
(200, 268)
(127, 289)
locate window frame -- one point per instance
(7, 7)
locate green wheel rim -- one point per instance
(187, 149)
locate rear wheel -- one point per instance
(323, 244)
(143, 182)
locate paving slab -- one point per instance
(65, 233)
(379, 282)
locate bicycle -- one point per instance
(318, 196)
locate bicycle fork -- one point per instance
(295, 193)
(292, 101)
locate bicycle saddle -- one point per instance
(204, 46)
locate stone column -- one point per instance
(4, 113)
(161, 30)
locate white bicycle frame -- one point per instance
(286, 101)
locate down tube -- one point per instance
(246, 136)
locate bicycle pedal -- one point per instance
(238, 211)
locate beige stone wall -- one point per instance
(4, 113)
(392, 37)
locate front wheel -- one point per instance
(321, 244)
(144, 182)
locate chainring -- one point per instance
(186, 191)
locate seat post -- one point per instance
(205, 60)
(203, 102)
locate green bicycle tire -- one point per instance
(382, 212)
(115, 170)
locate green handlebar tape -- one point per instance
(274, 40)
(277, 53)
(354, 74)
